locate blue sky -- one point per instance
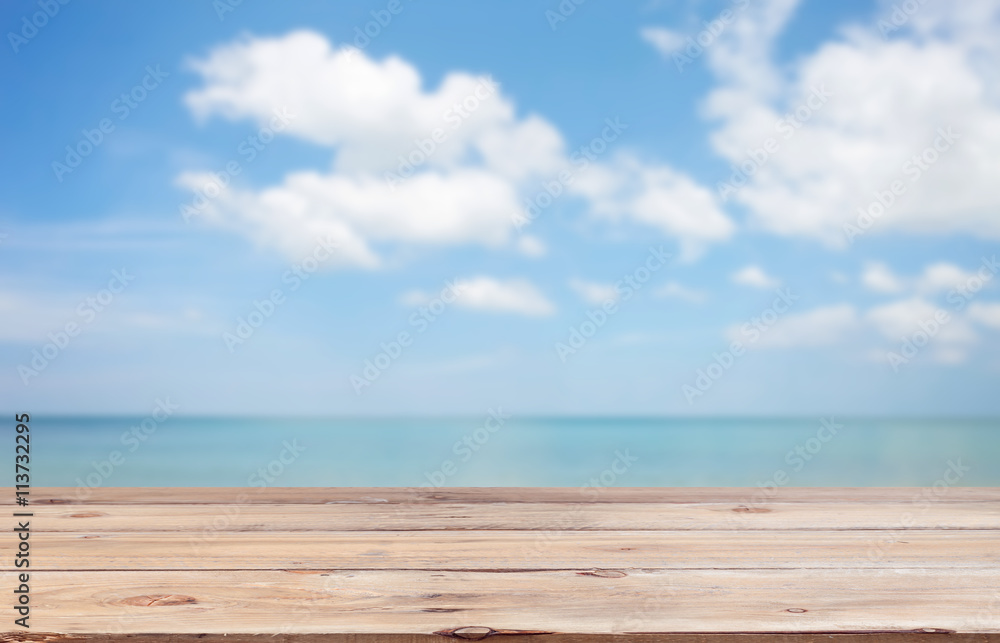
(130, 273)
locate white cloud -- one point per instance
(889, 97)
(489, 294)
(756, 277)
(373, 113)
(936, 278)
(473, 159)
(879, 278)
(531, 246)
(908, 320)
(942, 277)
(666, 41)
(463, 206)
(901, 320)
(817, 327)
(656, 196)
(677, 291)
(592, 293)
(987, 314)
(504, 296)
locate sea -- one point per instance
(494, 450)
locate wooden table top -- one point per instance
(539, 565)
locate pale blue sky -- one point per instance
(634, 114)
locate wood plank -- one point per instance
(417, 602)
(207, 519)
(511, 637)
(449, 550)
(427, 495)
(674, 565)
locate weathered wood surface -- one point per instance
(450, 550)
(522, 516)
(538, 565)
(428, 495)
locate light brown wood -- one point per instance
(528, 565)
(413, 601)
(245, 516)
(479, 550)
(430, 495)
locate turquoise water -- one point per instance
(520, 452)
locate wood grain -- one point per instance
(203, 518)
(474, 550)
(413, 601)
(539, 565)
(431, 495)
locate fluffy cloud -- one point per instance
(510, 296)
(942, 277)
(531, 246)
(371, 112)
(817, 327)
(664, 40)
(936, 278)
(888, 99)
(656, 196)
(403, 170)
(677, 291)
(901, 320)
(925, 309)
(879, 278)
(755, 277)
(592, 293)
(930, 299)
(463, 206)
(489, 294)
(411, 165)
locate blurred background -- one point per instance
(406, 233)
